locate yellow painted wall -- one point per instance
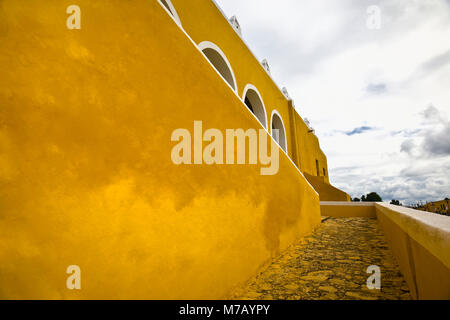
(326, 191)
(419, 241)
(86, 176)
(441, 207)
(203, 22)
(309, 151)
(347, 210)
(422, 248)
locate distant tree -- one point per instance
(446, 199)
(396, 202)
(356, 200)
(371, 197)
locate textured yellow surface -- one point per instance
(326, 191)
(86, 176)
(348, 210)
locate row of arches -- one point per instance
(251, 96)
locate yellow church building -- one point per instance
(441, 207)
(89, 99)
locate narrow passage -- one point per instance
(331, 264)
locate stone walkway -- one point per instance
(331, 264)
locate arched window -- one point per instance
(219, 61)
(254, 102)
(278, 130)
(168, 5)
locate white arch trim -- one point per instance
(252, 87)
(275, 112)
(237, 95)
(172, 12)
(209, 45)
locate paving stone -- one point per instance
(292, 287)
(266, 287)
(315, 278)
(328, 289)
(331, 264)
(360, 296)
(330, 296)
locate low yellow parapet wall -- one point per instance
(419, 240)
(338, 209)
(421, 243)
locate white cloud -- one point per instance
(344, 76)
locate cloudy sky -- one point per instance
(379, 98)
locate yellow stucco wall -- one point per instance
(326, 191)
(347, 210)
(203, 22)
(309, 151)
(438, 207)
(421, 244)
(86, 176)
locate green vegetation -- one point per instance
(371, 197)
(396, 202)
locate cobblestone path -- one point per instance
(331, 264)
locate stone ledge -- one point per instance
(430, 230)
